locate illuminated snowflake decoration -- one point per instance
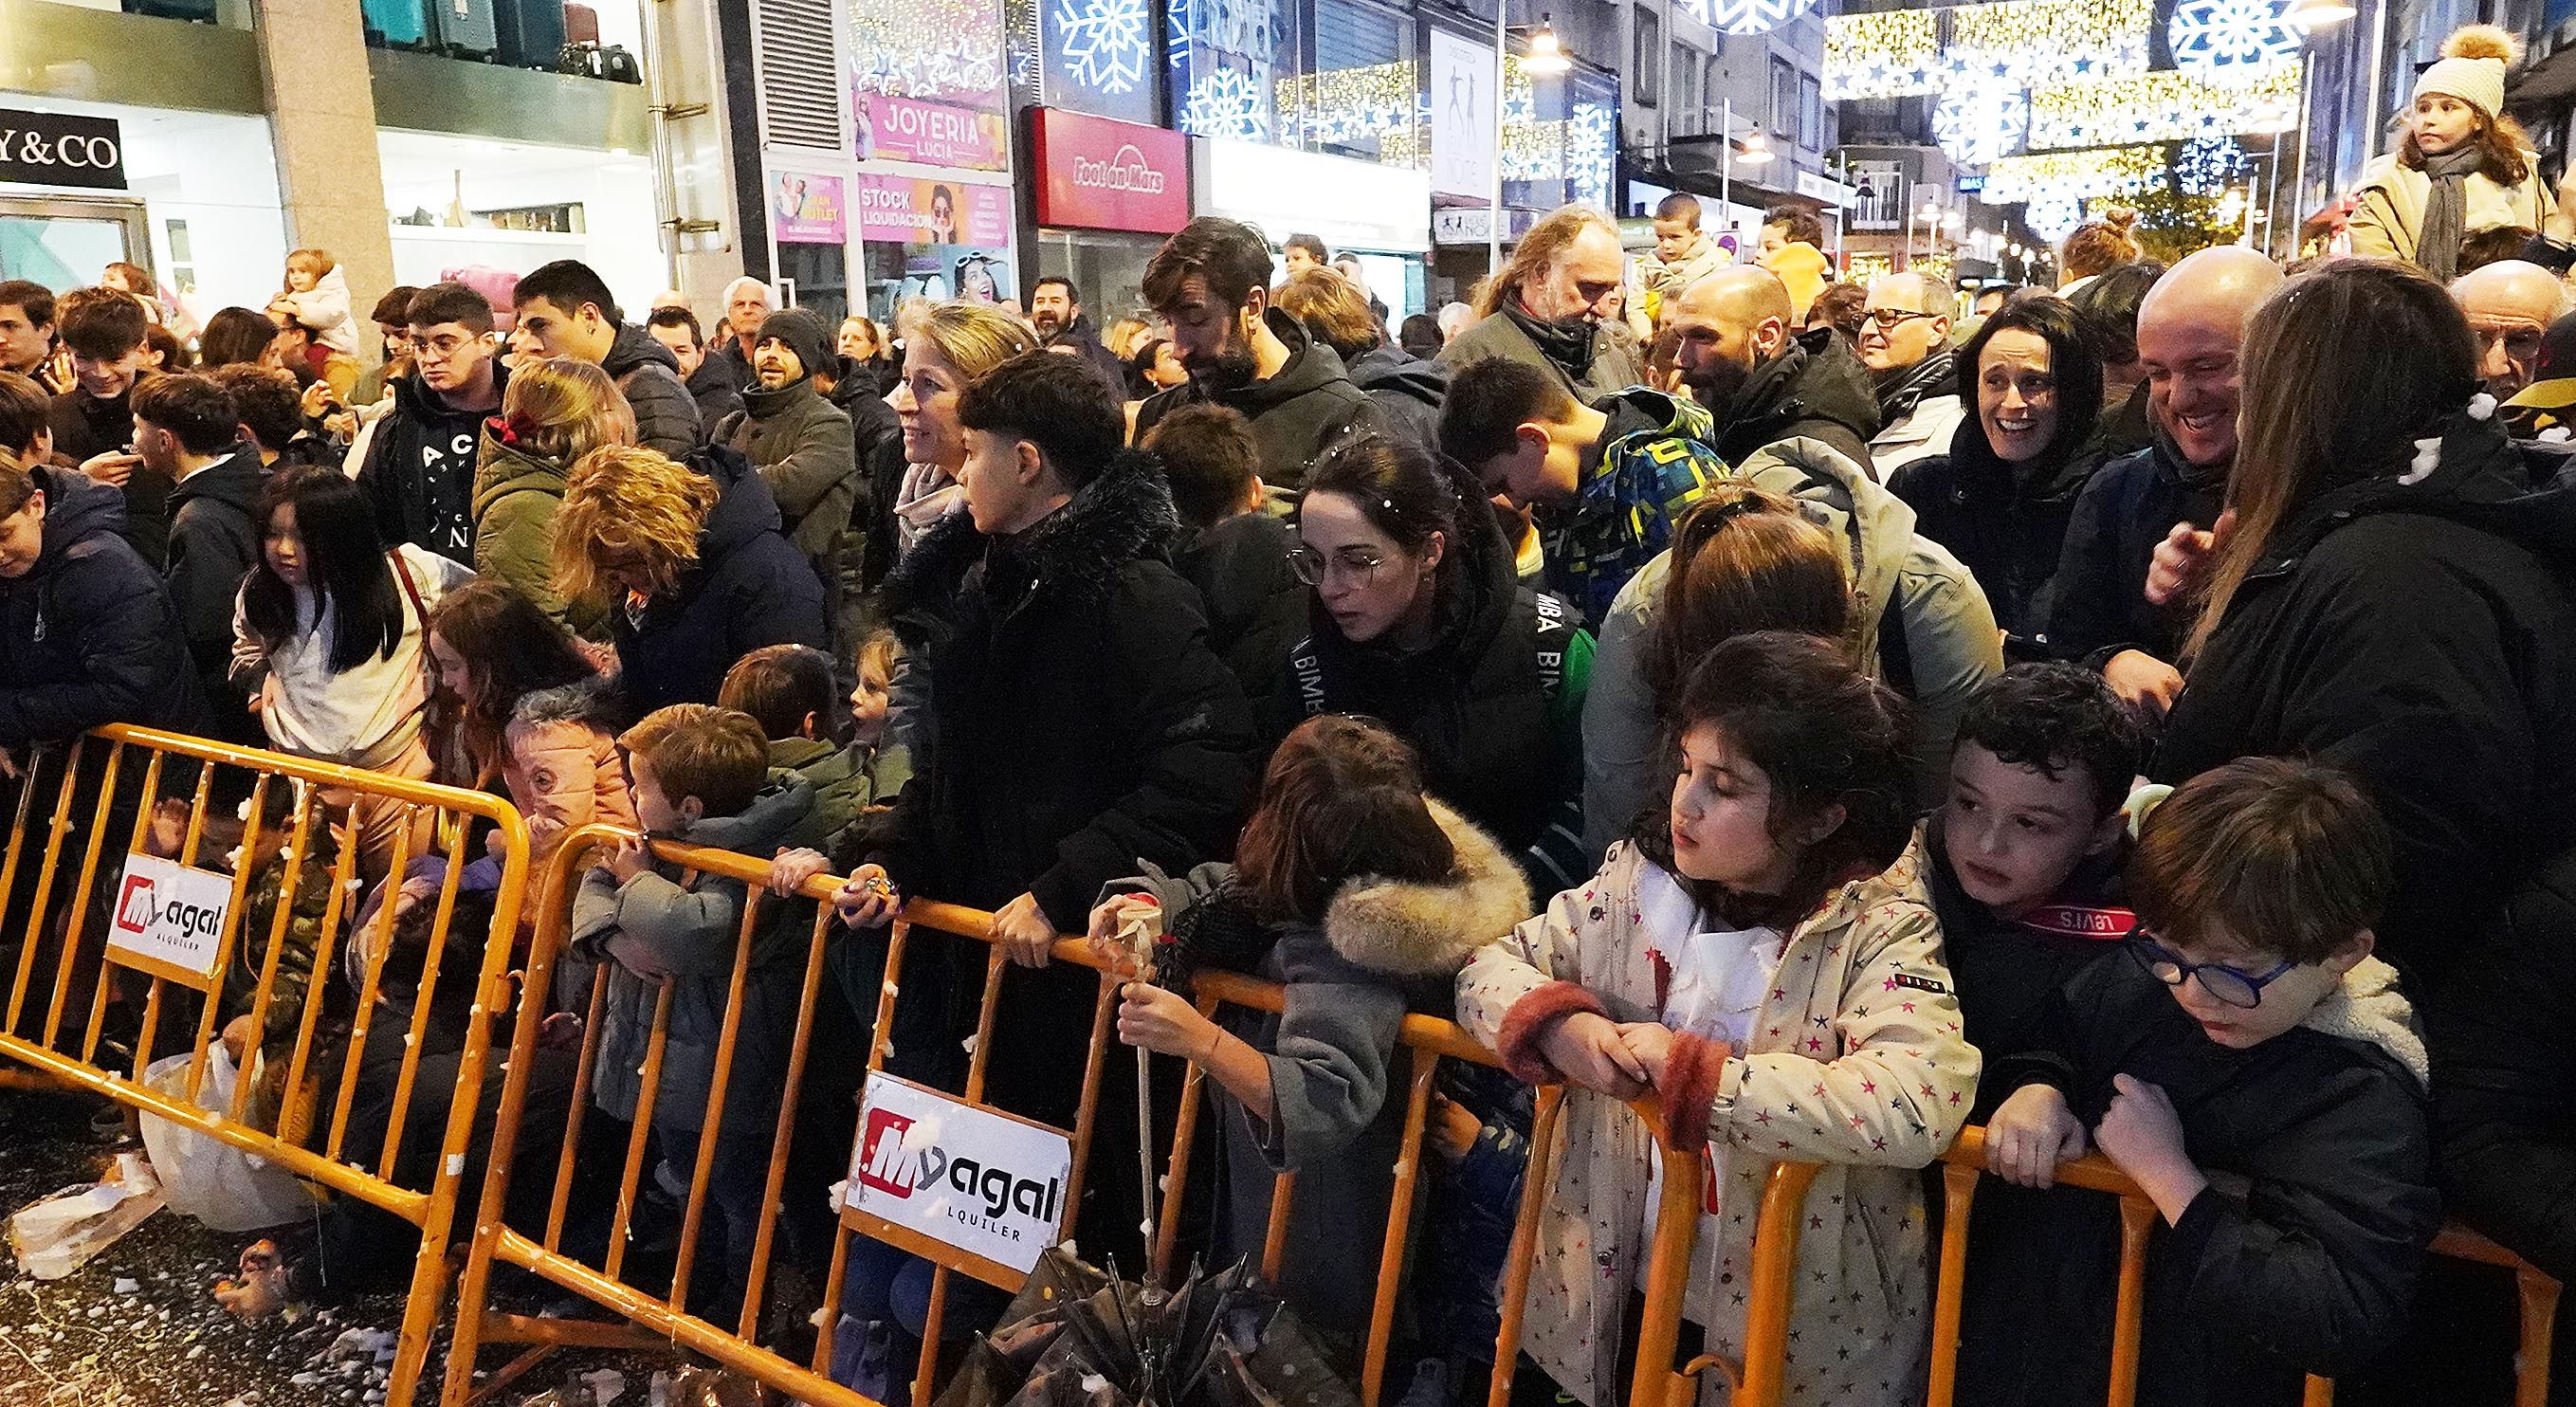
(1226, 102)
(1746, 16)
(2053, 216)
(2227, 41)
(1103, 42)
(1591, 153)
(2208, 165)
(1978, 125)
(1176, 33)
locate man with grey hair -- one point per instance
(1553, 303)
(747, 303)
(1905, 347)
(2510, 306)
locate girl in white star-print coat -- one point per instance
(1837, 1044)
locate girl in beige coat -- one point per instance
(1837, 1043)
(2462, 167)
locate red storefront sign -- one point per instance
(1095, 174)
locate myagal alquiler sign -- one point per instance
(58, 149)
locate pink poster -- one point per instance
(933, 134)
(906, 210)
(805, 209)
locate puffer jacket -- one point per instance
(1407, 390)
(2098, 605)
(516, 496)
(2422, 636)
(1308, 407)
(1385, 948)
(653, 926)
(88, 635)
(1814, 389)
(1839, 1073)
(854, 791)
(666, 415)
(1925, 630)
(1629, 498)
(2388, 213)
(2007, 522)
(1659, 283)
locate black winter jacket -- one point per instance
(1296, 415)
(2098, 606)
(1483, 702)
(1079, 723)
(2423, 636)
(2503, 1055)
(2007, 522)
(88, 635)
(750, 588)
(1408, 390)
(666, 415)
(1815, 388)
(1255, 604)
(214, 543)
(715, 388)
(419, 469)
(84, 427)
(2301, 1257)
(1082, 336)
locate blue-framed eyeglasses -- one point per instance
(2232, 986)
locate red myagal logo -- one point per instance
(885, 1168)
(134, 907)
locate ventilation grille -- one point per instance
(799, 75)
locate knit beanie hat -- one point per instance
(804, 335)
(2472, 67)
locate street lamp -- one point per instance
(2309, 16)
(1753, 151)
(1546, 58)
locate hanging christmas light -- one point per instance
(1745, 16)
(2053, 216)
(2231, 41)
(2075, 175)
(1977, 125)
(2160, 107)
(2207, 165)
(2015, 43)
(1883, 54)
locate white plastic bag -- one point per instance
(216, 1183)
(58, 1235)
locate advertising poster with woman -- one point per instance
(936, 238)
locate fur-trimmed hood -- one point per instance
(1406, 928)
(2369, 1008)
(1124, 514)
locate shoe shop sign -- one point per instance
(169, 920)
(971, 1187)
(58, 149)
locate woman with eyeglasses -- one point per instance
(1416, 619)
(2001, 498)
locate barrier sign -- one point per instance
(170, 920)
(971, 1179)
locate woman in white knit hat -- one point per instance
(2463, 167)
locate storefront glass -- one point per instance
(198, 206)
(467, 202)
(590, 38)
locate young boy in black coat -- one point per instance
(2258, 1075)
(2026, 852)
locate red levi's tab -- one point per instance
(2106, 925)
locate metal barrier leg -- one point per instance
(1949, 1296)
(2128, 1322)
(2317, 1392)
(1516, 1269)
(2539, 1296)
(1399, 1224)
(1667, 1278)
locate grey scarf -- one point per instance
(2446, 211)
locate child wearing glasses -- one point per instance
(2258, 1074)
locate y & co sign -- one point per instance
(58, 149)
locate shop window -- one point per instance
(1649, 62)
(1784, 100)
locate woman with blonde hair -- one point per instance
(692, 564)
(2464, 166)
(554, 412)
(951, 347)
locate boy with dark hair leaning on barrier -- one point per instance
(2259, 1076)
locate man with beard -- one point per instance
(1763, 381)
(1211, 283)
(1905, 344)
(1552, 304)
(799, 441)
(2190, 330)
(1055, 310)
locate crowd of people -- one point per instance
(2132, 717)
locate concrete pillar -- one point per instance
(322, 105)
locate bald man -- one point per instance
(2191, 330)
(1741, 356)
(1905, 346)
(2510, 306)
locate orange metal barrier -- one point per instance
(1965, 1163)
(110, 785)
(659, 1316)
